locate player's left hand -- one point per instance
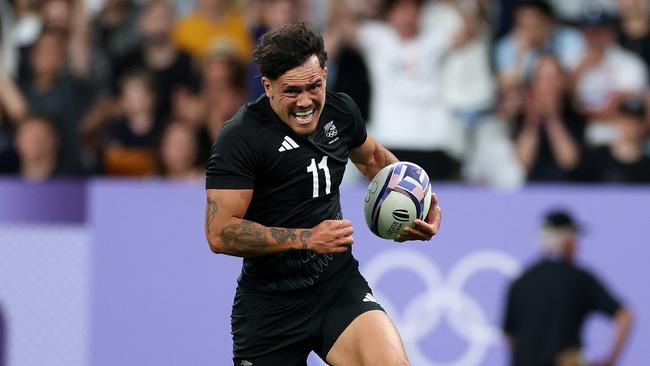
(423, 230)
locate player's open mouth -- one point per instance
(304, 117)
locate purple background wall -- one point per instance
(159, 296)
(52, 202)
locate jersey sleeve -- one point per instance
(358, 123)
(599, 298)
(233, 160)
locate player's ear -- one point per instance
(325, 73)
(267, 86)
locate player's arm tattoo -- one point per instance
(210, 210)
(244, 238)
(248, 239)
(282, 236)
(304, 237)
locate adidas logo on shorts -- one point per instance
(370, 298)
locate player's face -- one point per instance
(298, 95)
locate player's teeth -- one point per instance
(304, 114)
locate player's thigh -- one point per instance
(371, 339)
(357, 331)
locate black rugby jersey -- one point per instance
(295, 181)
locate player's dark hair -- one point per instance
(287, 47)
(540, 6)
(388, 5)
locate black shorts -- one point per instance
(282, 329)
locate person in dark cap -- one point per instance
(625, 160)
(546, 306)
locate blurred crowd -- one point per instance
(488, 92)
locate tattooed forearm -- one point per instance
(304, 237)
(210, 210)
(244, 238)
(283, 235)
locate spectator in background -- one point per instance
(72, 22)
(223, 91)
(20, 29)
(571, 11)
(132, 140)
(634, 28)
(467, 84)
(492, 160)
(211, 23)
(349, 74)
(347, 70)
(266, 15)
(170, 67)
(115, 28)
(8, 50)
(624, 161)
(547, 305)
(59, 89)
(548, 133)
(13, 108)
(179, 152)
(37, 147)
(404, 58)
(605, 74)
(534, 34)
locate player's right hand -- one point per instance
(331, 236)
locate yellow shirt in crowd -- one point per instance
(197, 34)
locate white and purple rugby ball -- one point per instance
(396, 196)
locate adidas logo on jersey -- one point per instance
(288, 144)
(370, 298)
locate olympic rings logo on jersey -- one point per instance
(424, 312)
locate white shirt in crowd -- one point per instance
(406, 109)
(620, 71)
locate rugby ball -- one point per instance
(396, 196)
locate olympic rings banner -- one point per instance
(158, 296)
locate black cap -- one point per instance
(596, 17)
(560, 219)
(633, 106)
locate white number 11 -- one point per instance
(313, 169)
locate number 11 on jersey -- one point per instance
(313, 169)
